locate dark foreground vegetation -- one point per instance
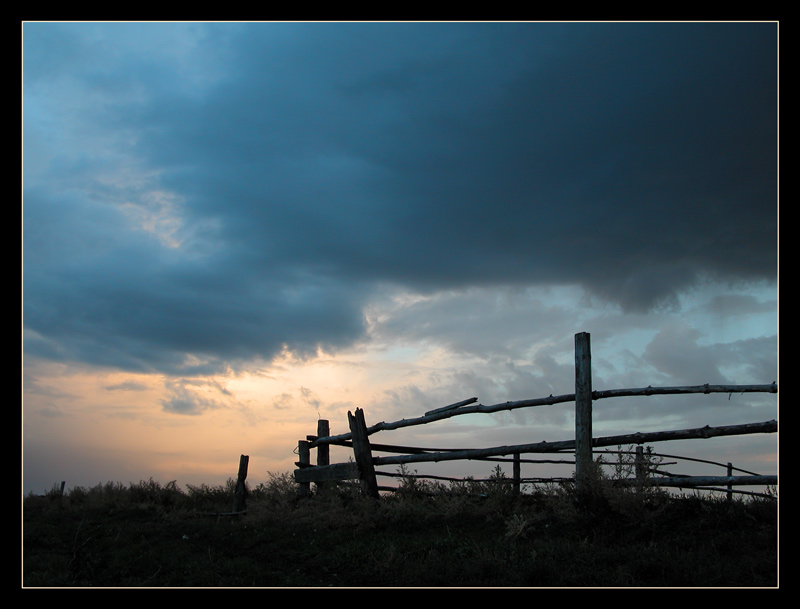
(470, 534)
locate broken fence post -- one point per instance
(241, 490)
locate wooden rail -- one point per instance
(452, 411)
(364, 466)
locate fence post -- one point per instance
(323, 449)
(363, 453)
(304, 460)
(730, 487)
(517, 474)
(241, 490)
(640, 467)
(583, 409)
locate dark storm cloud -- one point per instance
(623, 157)
(308, 163)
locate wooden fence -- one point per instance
(363, 465)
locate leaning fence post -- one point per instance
(241, 490)
(583, 408)
(363, 453)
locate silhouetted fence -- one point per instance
(363, 465)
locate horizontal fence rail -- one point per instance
(363, 468)
(695, 481)
(455, 410)
(646, 391)
(546, 447)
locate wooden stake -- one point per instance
(241, 490)
(323, 450)
(363, 453)
(304, 460)
(451, 406)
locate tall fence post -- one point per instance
(363, 453)
(241, 490)
(583, 409)
(517, 473)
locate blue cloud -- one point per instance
(202, 194)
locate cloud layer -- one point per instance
(198, 196)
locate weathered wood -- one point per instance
(323, 473)
(304, 461)
(730, 475)
(323, 450)
(583, 443)
(477, 408)
(549, 447)
(646, 391)
(239, 495)
(640, 464)
(695, 481)
(452, 406)
(393, 448)
(551, 400)
(688, 434)
(583, 406)
(363, 453)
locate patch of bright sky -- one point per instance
(263, 411)
(729, 314)
(355, 377)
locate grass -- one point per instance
(467, 534)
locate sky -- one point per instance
(231, 230)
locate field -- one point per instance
(470, 534)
